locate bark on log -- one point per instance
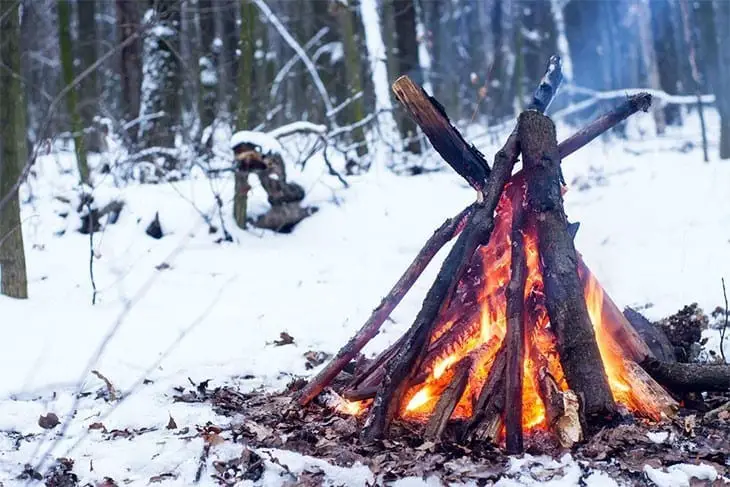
(657, 341)
(449, 399)
(428, 113)
(514, 340)
(565, 303)
(441, 236)
(682, 378)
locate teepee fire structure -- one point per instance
(515, 334)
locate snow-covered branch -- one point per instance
(293, 61)
(300, 52)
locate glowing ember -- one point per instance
(353, 408)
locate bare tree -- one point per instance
(161, 81)
(14, 281)
(130, 69)
(86, 55)
(404, 12)
(722, 21)
(67, 67)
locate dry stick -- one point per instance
(476, 232)
(565, 302)
(449, 399)
(441, 236)
(514, 340)
(680, 377)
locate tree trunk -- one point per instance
(130, 58)
(356, 109)
(88, 88)
(556, 9)
(245, 77)
(722, 21)
(13, 278)
(379, 72)
(650, 62)
(67, 68)
(161, 83)
(209, 60)
(407, 45)
(667, 57)
(566, 306)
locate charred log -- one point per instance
(514, 340)
(430, 115)
(683, 378)
(565, 302)
(449, 399)
(653, 336)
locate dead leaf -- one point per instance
(97, 426)
(162, 477)
(107, 482)
(315, 358)
(284, 339)
(49, 421)
(171, 425)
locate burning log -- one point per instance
(441, 236)
(515, 338)
(682, 377)
(486, 420)
(565, 302)
(449, 399)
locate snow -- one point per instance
(267, 143)
(658, 436)
(680, 475)
(655, 229)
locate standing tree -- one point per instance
(245, 82)
(88, 87)
(13, 279)
(356, 109)
(649, 56)
(667, 55)
(130, 57)
(208, 64)
(161, 81)
(404, 12)
(722, 21)
(67, 67)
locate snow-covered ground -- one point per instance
(655, 229)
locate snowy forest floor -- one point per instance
(655, 229)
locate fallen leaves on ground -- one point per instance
(49, 421)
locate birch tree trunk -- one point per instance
(379, 73)
(13, 278)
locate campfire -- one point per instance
(516, 335)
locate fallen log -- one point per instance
(682, 378)
(564, 299)
(514, 340)
(441, 236)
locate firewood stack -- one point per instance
(526, 209)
